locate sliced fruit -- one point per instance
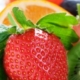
(33, 9)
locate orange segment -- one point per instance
(6, 21)
(35, 12)
(33, 9)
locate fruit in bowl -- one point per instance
(35, 39)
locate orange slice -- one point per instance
(33, 9)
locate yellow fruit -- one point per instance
(33, 9)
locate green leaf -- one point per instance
(20, 17)
(1, 53)
(11, 20)
(6, 31)
(3, 33)
(73, 59)
(61, 19)
(3, 75)
(59, 25)
(66, 35)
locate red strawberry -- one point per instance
(35, 55)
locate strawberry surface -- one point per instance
(35, 55)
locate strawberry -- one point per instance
(35, 55)
(37, 51)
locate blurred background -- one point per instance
(69, 5)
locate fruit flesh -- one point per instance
(33, 13)
(37, 9)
